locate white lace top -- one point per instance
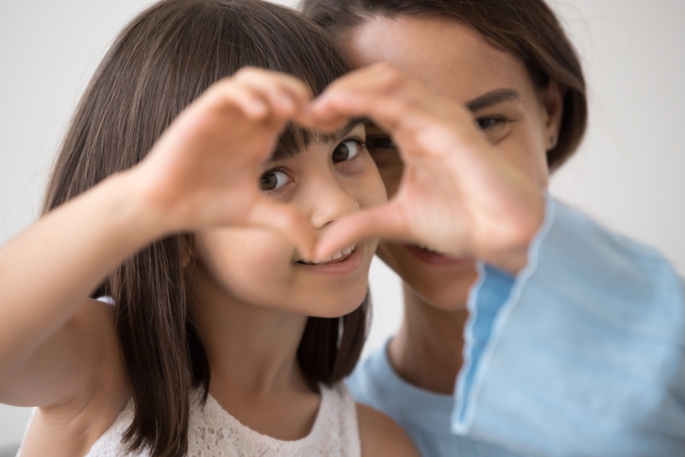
(215, 433)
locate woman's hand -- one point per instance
(204, 170)
(457, 194)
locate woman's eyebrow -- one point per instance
(492, 98)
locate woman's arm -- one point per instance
(584, 349)
(576, 341)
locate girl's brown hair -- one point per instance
(527, 29)
(162, 61)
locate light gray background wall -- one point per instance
(628, 173)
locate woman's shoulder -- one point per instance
(381, 436)
(377, 435)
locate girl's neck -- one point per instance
(427, 350)
(249, 348)
(252, 354)
(253, 351)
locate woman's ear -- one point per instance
(552, 98)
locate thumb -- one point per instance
(379, 222)
(286, 221)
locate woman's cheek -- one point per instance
(529, 157)
(391, 169)
(368, 188)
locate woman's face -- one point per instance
(325, 181)
(456, 62)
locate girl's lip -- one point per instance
(435, 258)
(344, 265)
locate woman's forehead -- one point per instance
(445, 55)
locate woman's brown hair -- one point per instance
(527, 29)
(162, 61)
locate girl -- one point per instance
(574, 344)
(167, 201)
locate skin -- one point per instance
(479, 193)
(58, 348)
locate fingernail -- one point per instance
(259, 106)
(287, 103)
(317, 104)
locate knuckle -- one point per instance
(391, 78)
(224, 85)
(249, 73)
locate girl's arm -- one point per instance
(202, 172)
(46, 275)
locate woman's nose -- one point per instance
(331, 201)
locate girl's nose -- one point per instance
(330, 202)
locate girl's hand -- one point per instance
(204, 170)
(457, 194)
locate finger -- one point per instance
(384, 221)
(379, 77)
(286, 94)
(309, 119)
(228, 94)
(286, 221)
(388, 112)
(298, 88)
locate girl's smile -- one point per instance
(343, 262)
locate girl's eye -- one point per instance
(273, 180)
(346, 150)
(485, 123)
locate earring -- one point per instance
(552, 142)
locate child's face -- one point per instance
(325, 181)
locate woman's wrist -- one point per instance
(512, 254)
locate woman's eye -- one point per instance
(346, 150)
(485, 123)
(273, 180)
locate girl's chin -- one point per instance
(334, 310)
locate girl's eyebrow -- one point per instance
(492, 98)
(307, 138)
(340, 134)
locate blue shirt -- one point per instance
(424, 415)
(581, 354)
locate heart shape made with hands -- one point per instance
(457, 194)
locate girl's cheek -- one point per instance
(236, 253)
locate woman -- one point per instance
(574, 342)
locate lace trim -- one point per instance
(214, 432)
